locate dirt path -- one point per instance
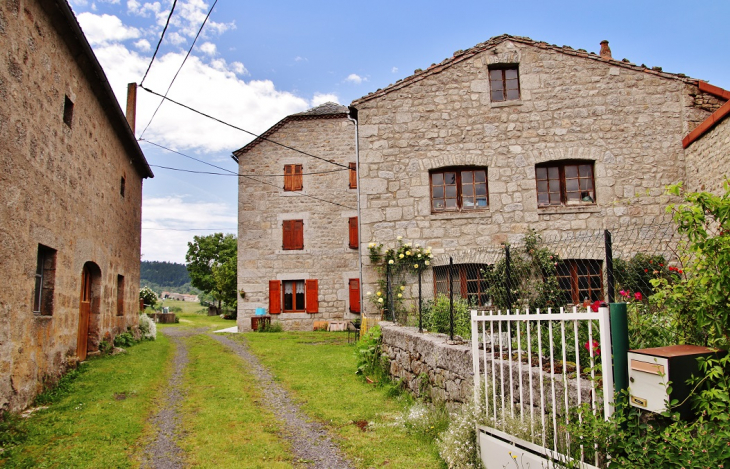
(163, 452)
(309, 441)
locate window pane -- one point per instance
(481, 189)
(513, 94)
(541, 173)
(450, 192)
(554, 199)
(300, 295)
(468, 202)
(480, 176)
(467, 190)
(497, 85)
(542, 186)
(510, 73)
(553, 172)
(481, 201)
(571, 184)
(450, 178)
(438, 204)
(438, 192)
(585, 170)
(437, 179)
(542, 198)
(497, 95)
(571, 171)
(586, 184)
(467, 177)
(495, 74)
(572, 196)
(513, 84)
(450, 203)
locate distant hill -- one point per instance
(167, 276)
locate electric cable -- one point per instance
(181, 66)
(190, 229)
(167, 23)
(187, 156)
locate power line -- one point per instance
(181, 65)
(297, 194)
(190, 229)
(188, 156)
(167, 23)
(241, 129)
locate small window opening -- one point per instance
(122, 184)
(120, 295)
(45, 277)
(68, 112)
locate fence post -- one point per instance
(507, 275)
(609, 265)
(620, 346)
(420, 298)
(451, 298)
(388, 302)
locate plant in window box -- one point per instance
(242, 293)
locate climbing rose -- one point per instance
(638, 296)
(593, 345)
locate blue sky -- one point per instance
(257, 62)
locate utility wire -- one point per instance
(242, 130)
(191, 229)
(167, 23)
(240, 175)
(188, 156)
(181, 66)
(297, 194)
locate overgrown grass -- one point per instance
(198, 320)
(96, 417)
(224, 424)
(319, 369)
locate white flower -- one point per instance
(402, 288)
(401, 256)
(369, 293)
(415, 266)
(399, 238)
(400, 295)
(371, 245)
(407, 245)
(427, 263)
(418, 245)
(408, 253)
(428, 249)
(380, 300)
(419, 256)
(390, 261)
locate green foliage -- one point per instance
(106, 347)
(164, 274)
(148, 296)
(636, 274)
(649, 326)
(713, 397)
(125, 339)
(12, 430)
(62, 388)
(700, 299)
(458, 444)
(147, 327)
(211, 262)
(436, 314)
(271, 327)
(370, 360)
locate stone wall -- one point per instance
(628, 122)
(708, 160)
(60, 188)
(326, 256)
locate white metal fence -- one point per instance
(530, 368)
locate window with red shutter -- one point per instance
(293, 234)
(293, 177)
(353, 233)
(274, 296)
(312, 296)
(354, 295)
(353, 176)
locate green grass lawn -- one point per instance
(188, 307)
(99, 421)
(319, 369)
(224, 423)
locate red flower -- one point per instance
(595, 305)
(646, 270)
(593, 345)
(638, 296)
(680, 271)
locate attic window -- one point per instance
(504, 83)
(68, 112)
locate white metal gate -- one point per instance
(520, 344)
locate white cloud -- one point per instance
(144, 9)
(355, 78)
(211, 87)
(162, 215)
(321, 98)
(239, 68)
(143, 45)
(104, 29)
(300, 59)
(175, 38)
(394, 70)
(208, 48)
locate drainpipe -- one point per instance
(352, 115)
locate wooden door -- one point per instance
(84, 311)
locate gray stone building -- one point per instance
(71, 190)
(298, 240)
(514, 134)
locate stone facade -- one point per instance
(65, 148)
(708, 160)
(626, 121)
(264, 205)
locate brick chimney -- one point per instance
(605, 50)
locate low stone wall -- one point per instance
(427, 364)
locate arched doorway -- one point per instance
(88, 305)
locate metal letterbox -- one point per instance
(651, 370)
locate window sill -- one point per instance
(293, 251)
(284, 193)
(514, 102)
(568, 209)
(462, 215)
(43, 317)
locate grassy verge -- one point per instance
(319, 369)
(96, 419)
(224, 423)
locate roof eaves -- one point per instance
(69, 29)
(714, 118)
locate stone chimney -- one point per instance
(605, 50)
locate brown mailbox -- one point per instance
(651, 369)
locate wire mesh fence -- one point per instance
(538, 272)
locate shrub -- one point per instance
(271, 327)
(105, 347)
(435, 315)
(125, 339)
(148, 296)
(458, 444)
(147, 327)
(370, 360)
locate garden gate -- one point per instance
(530, 369)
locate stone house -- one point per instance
(72, 194)
(515, 134)
(298, 237)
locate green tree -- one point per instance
(211, 262)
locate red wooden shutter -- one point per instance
(288, 177)
(312, 296)
(353, 176)
(354, 295)
(287, 235)
(353, 233)
(297, 183)
(274, 296)
(297, 234)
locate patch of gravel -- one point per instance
(309, 441)
(163, 452)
